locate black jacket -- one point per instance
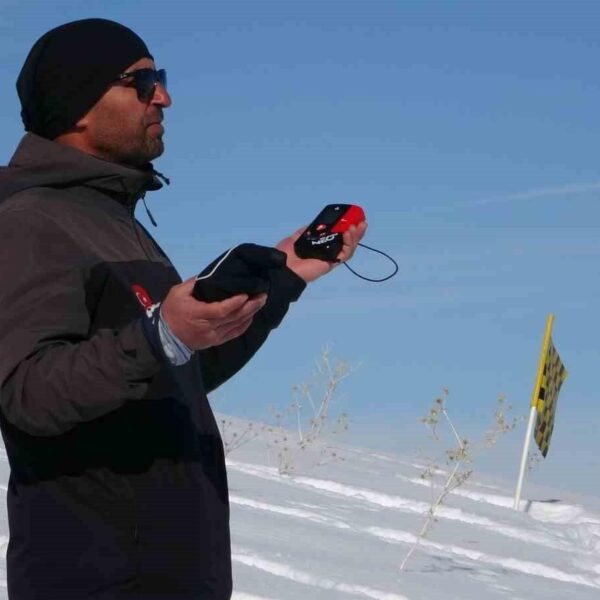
(118, 486)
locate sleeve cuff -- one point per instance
(139, 357)
(285, 282)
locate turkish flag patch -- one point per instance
(142, 296)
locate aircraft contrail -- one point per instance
(578, 188)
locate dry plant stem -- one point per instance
(299, 423)
(320, 415)
(460, 443)
(431, 514)
(462, 454)
(234, 441)
(446, 489)
(310, 416)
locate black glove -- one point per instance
(241, 270)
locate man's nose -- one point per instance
(161, 96)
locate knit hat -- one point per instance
(68, 70)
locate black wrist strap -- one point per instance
(378, 252)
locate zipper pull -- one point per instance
(161, 176)
(148, 212)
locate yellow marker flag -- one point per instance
(550, 377)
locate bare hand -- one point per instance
(312, 268)
(202, 325)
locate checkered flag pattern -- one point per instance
(553, 376)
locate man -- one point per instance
(118, 486)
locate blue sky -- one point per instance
(468, 131)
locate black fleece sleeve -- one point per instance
(52, 375)
(219, 363)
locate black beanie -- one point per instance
(68, 70)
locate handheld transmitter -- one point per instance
(323, 238)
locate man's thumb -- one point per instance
(188, 285)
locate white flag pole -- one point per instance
(533, 411)
(532, 416)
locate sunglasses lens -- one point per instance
(161, 77)
(144, 83)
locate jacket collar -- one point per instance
(38, 162)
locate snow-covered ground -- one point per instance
(339, 529)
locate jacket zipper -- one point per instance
(136, 527)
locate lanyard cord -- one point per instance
(378, 252)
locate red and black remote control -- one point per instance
(323, 238)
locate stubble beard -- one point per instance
(132, 149)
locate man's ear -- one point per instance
(82, 124)
(72, 136)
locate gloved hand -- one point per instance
(243, 269)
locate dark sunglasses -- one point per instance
(145, 81)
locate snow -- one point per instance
(339, 530)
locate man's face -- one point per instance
(123, 129)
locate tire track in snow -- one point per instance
(397, 536)
(278, 569)
(445, 474)
(585, 526)
(494, 499)
(513, 564)
(289, 512)
(399, 503)
(546, 512)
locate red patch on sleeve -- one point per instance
(142, 295)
